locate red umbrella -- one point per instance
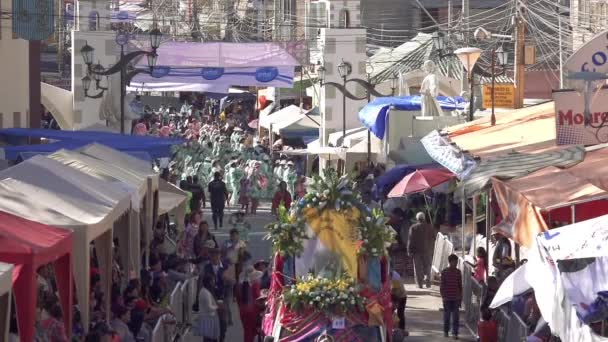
(420, 180)
(253, 123)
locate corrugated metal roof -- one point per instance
(411, 55)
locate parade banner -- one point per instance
(570, 118)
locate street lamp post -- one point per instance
(468, 57)
(97, 70)
(503, 58)
(344, 69)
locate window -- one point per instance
(344, 18)
(583, 13)
(94, 21)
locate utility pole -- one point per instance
(465, 31)
(561, 48)
(520, 62)
(449, 17)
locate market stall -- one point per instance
(140, 168)
(132, 183)
(29, 245)
(48, 192)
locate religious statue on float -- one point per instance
(429, 90)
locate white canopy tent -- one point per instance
(45, 191)
(111, 174)
(172, 199)
(286, 114)
(6, 285)
(301, 122)
(141, 169)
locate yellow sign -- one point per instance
(504, 96)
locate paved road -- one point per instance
(259, 249)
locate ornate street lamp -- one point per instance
(344, 69)
(394, 83)
(468, 56)
(122, 67)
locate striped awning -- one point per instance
(516, 164)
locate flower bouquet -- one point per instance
(287, 234)
(375, 235)
(331, 296)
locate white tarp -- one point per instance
(353, 136)
(565, 293)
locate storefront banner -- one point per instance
(570, 118)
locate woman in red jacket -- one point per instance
(281, 197)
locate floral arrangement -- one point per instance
(375, 235)
(332, 296)
(287, 234)
(330, 192)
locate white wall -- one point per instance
(86, 110)
(14, 74)
(347, 44)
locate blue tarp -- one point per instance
(390, 178)
(155, 147)
(374, 114)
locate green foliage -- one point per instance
(287, 234)
(375, 234)
(332, 296)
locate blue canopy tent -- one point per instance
(374, 114)
(155, 147)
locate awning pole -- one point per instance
(464, 219)
(489, 224)
(573, 209)
(474, 224)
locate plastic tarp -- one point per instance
(155, 146)
(375, 114)
(222, 55)
(566, 287)
(48, 192)
(530, 129)
(192, 79)
(29, 245)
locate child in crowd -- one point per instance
(241, 225)
(451, 293)
(487, 328)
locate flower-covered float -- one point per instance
(331, 275)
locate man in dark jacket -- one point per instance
(218, 194)
(421, 245)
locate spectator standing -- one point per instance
(122, 316)
(398, 250)
(421, 243)
(281, 197)
(198, 195)
(480, 266)
(487, 328)
(451, 294)
(218, 194)
(208, 318)
(53, 326)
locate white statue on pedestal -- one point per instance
(429, 91)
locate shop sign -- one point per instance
(592, 56)
(570, 118)
(504, 96)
